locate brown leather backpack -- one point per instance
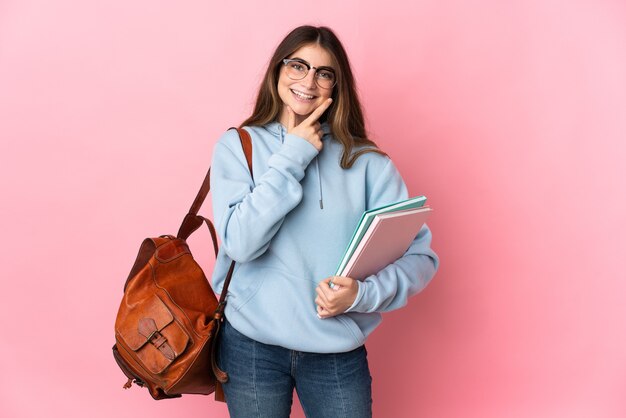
(169, 318)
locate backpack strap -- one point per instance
(218, 315)
(246, 144)
(192, 220)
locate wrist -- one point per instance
(357, 297)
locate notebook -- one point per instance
(368, 217)
(385, 240)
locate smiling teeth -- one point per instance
(302, 95)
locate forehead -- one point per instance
(314, 55)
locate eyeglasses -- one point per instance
(297, 69)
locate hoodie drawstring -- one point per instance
(319, 181)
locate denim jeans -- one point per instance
(262, 379)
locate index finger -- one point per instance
(323, 292)
(319, 111)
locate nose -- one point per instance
(309, 81)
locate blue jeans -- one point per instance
(262, 379)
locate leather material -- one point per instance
(169, 318)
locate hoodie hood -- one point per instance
(280, 130)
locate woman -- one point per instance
(289, 322)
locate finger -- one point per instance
(326, 281)
(323, 296)
(325, 291)
(319, 111)
(322, 313)
(291, 119)
(319, 302)
(336, 287)
(343, 281)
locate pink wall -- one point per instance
(509, 116)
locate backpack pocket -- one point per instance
(151, 332)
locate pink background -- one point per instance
(509, 116)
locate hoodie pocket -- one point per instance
(245, 286)
(354, 329)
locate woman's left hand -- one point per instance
(335, 301)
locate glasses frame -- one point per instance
(286, 61)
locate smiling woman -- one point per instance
(286, 327)
(301, 89)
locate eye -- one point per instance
(297, 66)
(326, 75)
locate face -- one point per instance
(305, 95)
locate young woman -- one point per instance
(289, 322)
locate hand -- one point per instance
(309, 129)
(331, 302)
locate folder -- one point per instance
(382, 237)
(368, 217)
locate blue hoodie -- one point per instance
(287, 230)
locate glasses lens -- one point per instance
(325, 79)
(296, 70)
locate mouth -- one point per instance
(303, 97)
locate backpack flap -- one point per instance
(150, 331)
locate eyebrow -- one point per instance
(323, 67)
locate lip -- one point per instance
(300, 99)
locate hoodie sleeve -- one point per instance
(248, 213)
(391, 287)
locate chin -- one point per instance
(304, 109)
(302, 112)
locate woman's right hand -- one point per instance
(309, 129)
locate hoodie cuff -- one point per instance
(294, 156)
(298, 149)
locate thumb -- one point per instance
(292, 119)
(342, 280)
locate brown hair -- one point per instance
(345, 116)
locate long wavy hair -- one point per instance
(344, 116)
